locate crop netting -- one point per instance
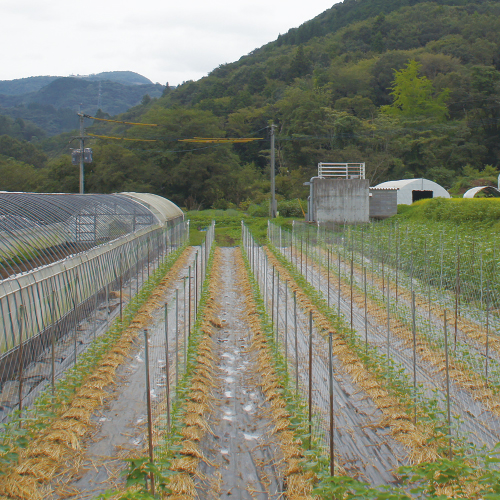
(52, 314)
(168, 336)
(425, 297)
(306, 354)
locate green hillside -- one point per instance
(409, 87)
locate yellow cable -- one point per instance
(121, 138)
(118, 121)
(221, 140)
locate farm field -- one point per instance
(314, 365)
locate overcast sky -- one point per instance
(164, 41)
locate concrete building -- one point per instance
(338, 200)
(412, 190)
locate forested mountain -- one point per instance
(20, 86)
(412, 88)
(52, 102)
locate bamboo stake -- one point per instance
(272, 301)
(366, 314)
(457, 293)
(148, 403)
(352, 284)
(278, 312)
(286, 326)
(332, 441)
(296, 343)
(176, 339)
(339, 289)
(20, 358)
(185, 323)
(487, 329)
(167, 368)
(447, 382)
(328, 279)
(310, 374)
(53, 345)
(414, 332)
(189, 303)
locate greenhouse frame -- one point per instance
(63, 257)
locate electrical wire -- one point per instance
(121, 138)
(122, 122)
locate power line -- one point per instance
(122, 122)
(121, 138)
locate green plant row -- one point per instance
(296, 405)
(388, 372)
(15, 433)
(467, 469)
(462, 353)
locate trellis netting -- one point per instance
(306, 355)
(395, 285)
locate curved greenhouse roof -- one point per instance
(411, 190)
(38, 229)
(164, 209)
(488, 191)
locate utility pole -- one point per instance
(273, 208)
(82, 154)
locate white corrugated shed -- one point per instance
(164, 209)
(410, 190)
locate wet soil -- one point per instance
(242, 448)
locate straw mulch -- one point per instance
(197, 405)
(298, 484)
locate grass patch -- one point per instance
(476, 212)
(228, 226)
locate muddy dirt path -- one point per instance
(242, 449)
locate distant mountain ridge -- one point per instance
(21, 86)
(51, 102)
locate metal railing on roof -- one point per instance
(342, 170)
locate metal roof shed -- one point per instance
(412, 190)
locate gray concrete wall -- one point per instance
(340, 200)
(383, 203)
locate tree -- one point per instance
(18, 176)
(414, 95)
(299, 65)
